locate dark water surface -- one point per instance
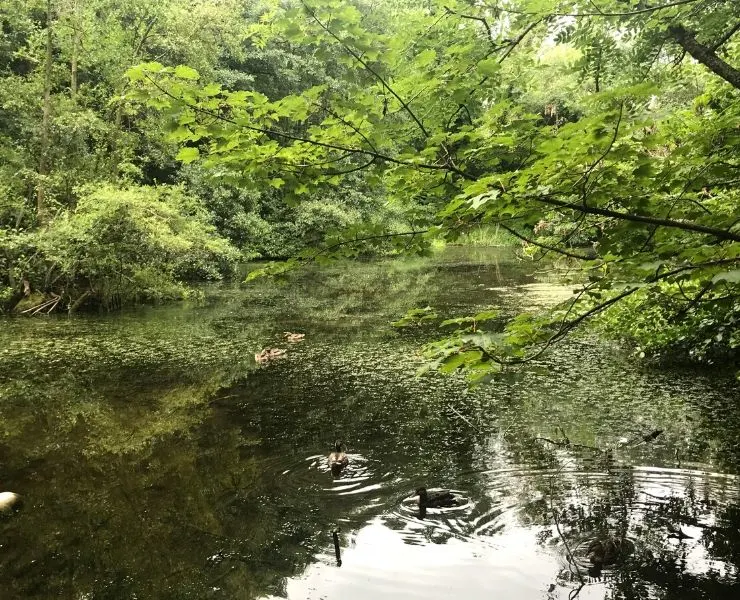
(157, 460)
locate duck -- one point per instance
(9, 501)
(293, 338)
(337, 460)
(675, 531)
(604, 552)
(269, 354)
(437, 498)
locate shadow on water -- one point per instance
(157, 460)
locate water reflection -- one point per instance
(157, 461)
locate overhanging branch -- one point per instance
(599, 12)
(276, 133)
(720, 234)
(367, 67)
(555, 249)
(566, 326)
(705, 55)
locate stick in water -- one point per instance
(337, 552)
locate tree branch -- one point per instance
(567, 326)
(721, 234)
(375, 74)
(705, 55)
(519, 39)
(693, 302)
(449, 11)
(585, 177)
(297, 138)
(599, 12)
(541, 245)
(730, 32)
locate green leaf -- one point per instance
(185, 72)
(487, 315)
(212, 89)
(188, 155)
(458, 360)
(425, 58)
(135, 73)
(489, 66)
(727, 276)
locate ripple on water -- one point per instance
(504, 528)
(360, 476)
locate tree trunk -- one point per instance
(705, 55)
(77, 303)
(76, 42)
(45, 123)
(118, 116)
(73, 69)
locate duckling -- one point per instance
(9, 501)
(269, 354)
(337, 460)
(293, 338)
(437, 498)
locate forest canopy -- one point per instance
(601, 134)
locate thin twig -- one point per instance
(571, 560)
(367, 67)
(585, 177)
(545, 246)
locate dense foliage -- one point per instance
(70, 139)
(586, 131)
(602, 133)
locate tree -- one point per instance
(433, 105)
(64, 127)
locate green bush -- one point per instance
(663, 323)
(139, 243)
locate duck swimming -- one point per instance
(269, 354)
(607, 552)
(437, 498)
(337, 460)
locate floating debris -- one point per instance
(675, 531)
(652, 435)
(9, 501)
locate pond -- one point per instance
(156, 459)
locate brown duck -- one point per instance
(269, 354)
(607, 552)
(337, 460)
